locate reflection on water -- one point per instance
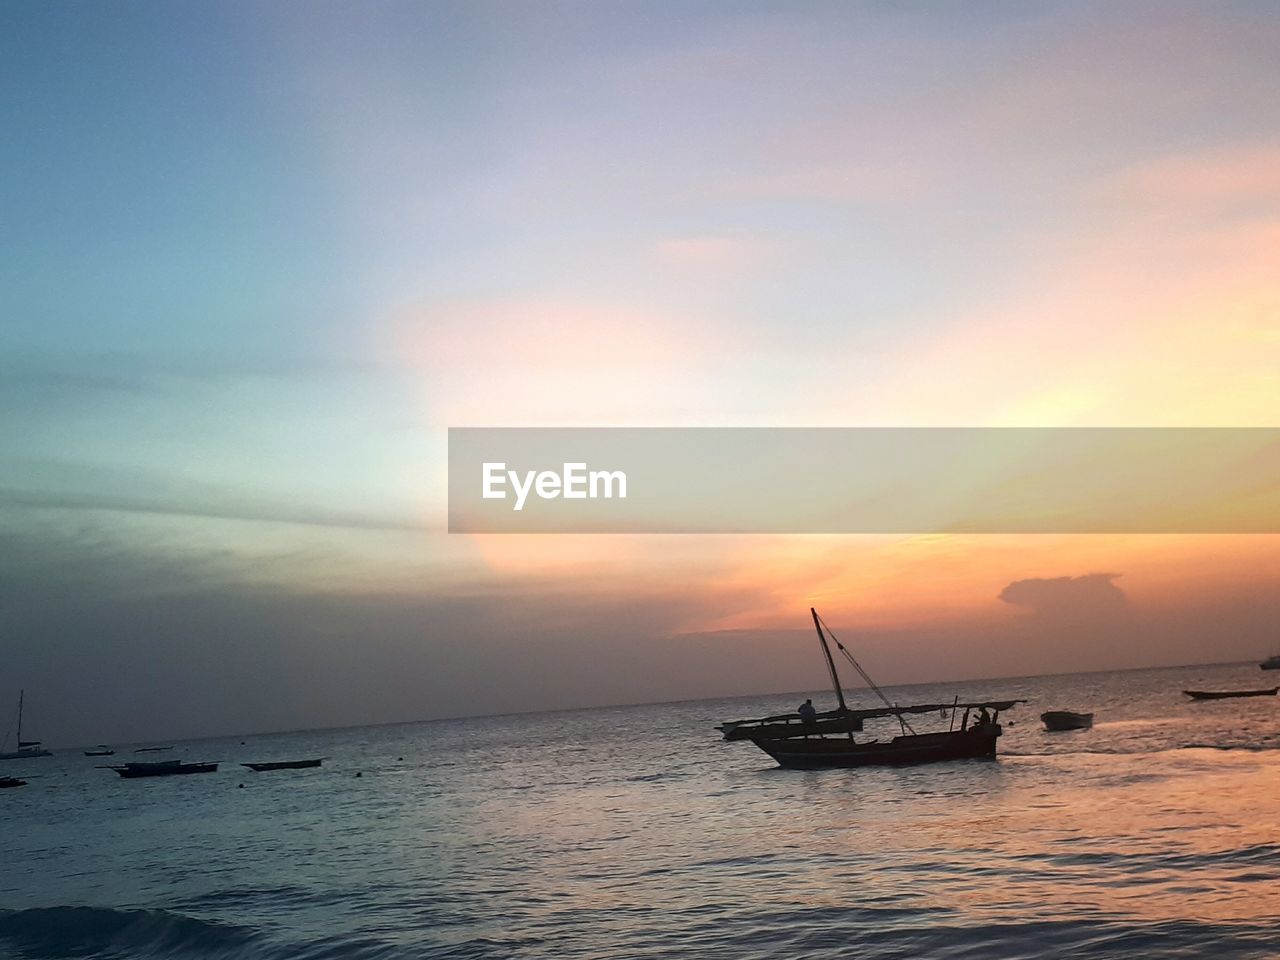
(636, 832)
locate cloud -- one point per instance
(716, 253)
(127, 639)
(533, 361)
(1215, 180)
(1091, 593)
(228, 507)
(880, 182)
(133, 637)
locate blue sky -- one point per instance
(258, 257)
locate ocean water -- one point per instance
(637, 833)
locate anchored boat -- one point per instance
(284, 765)
(162, 768)
(1229, 694)
(827, 740)
(26, 748)
(1058, 720)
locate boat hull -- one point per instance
(910, 750)
(6, 782)
(1059, 720)
(134, 771)
(283, 765)
(1229, 694)
(25, 754)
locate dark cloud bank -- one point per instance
(1088, 595)
(116, 645)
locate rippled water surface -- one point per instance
(636, 832)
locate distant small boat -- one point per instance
(1229, 694)
(26, 748)
(11, 782)
(1271, 663)
(102, 751)
(162, 768)
(284, 765)
(153, 749)
(1066, 720)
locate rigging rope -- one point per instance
(866, 676)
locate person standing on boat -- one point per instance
(807, 712)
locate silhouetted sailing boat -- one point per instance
(831, 743)
(26, 748)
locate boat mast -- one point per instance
(857, 666)
(831, 664)
(21, 696)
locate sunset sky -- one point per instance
(258, 257)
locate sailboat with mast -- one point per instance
(26, 748)
(827, 740)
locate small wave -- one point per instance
(1137, 750)
(81, 933)
(236, 897)
(59, 933)
(1097, 938)
(1136, 863)
(659, 777)
(1250, 747)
